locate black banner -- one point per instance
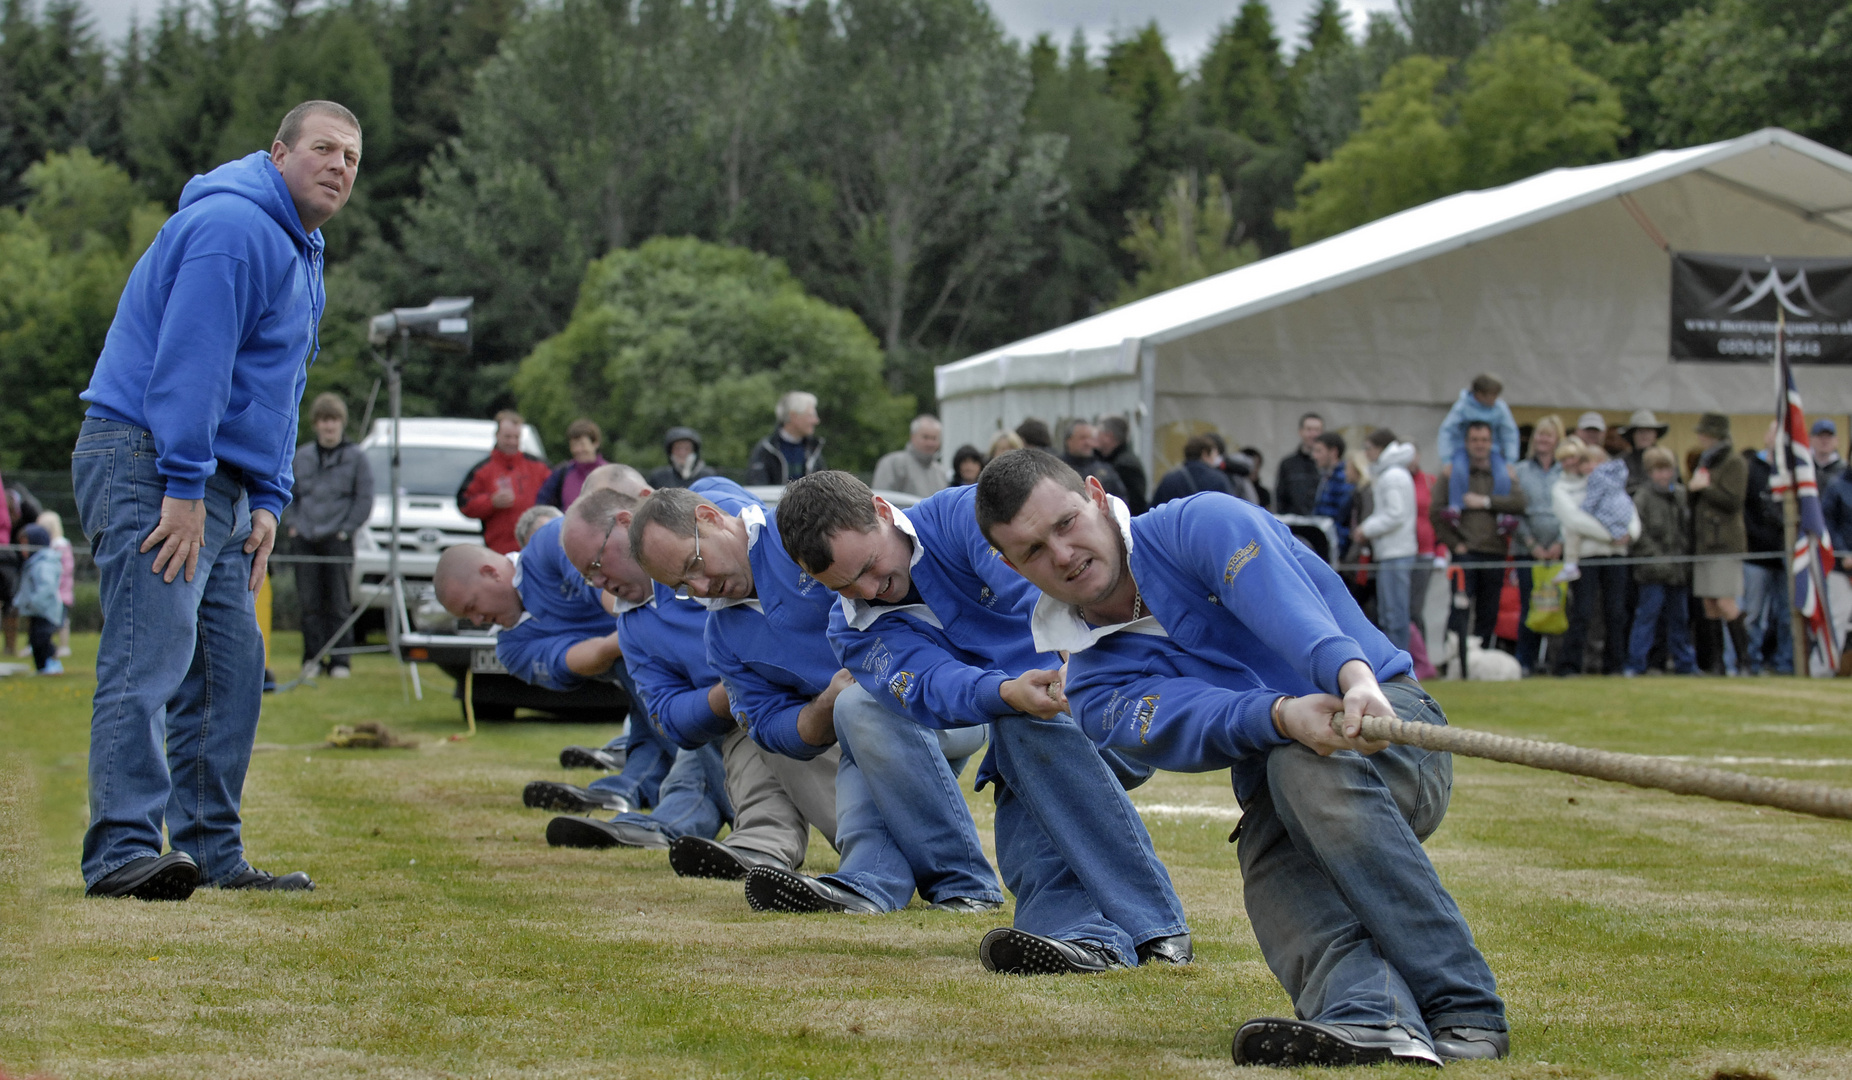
(1724, 307)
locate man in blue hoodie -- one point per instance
(181, 468)
(1203, 636)
(936, 629)
(901, 823)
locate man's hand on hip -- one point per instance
(263, 538)
(181, 532)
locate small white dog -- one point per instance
(1482, 665)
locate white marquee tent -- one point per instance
(1560, 284)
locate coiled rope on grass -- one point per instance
(1638, 770)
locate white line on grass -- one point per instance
(1159, 809)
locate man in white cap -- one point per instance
(1643, 432)
(1592, 428)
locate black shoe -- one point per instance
(1466, 1044)
(695, 856)
(264, 881)
(964, 905)
(1289, 1043)
(172, 876)
(1166, 950)
(585, 757)
(1009, 951)
(547, 795)
(773, 888)
(584, 832)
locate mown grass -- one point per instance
(1634, 933)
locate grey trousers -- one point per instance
(777, 799)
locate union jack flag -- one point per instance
(1812, 556)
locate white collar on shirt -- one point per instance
(861, 614)
(1058, 627)
(753, 518)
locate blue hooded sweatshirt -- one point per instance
(1467, 410)
(213, 336)
(943, 661)
(773, 650)
(1240, 613)
(562, 610)
(665, 648)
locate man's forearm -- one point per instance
(594, 656)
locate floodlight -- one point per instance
(442, 324)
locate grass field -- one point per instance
(1634, 933)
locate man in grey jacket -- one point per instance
(333, 497)
(914, 470)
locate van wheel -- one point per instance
(488, 710)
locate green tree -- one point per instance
(63, 262)
(1242, 84)
(54, 89)
(595, 126)
(678, 331)
(1193, 236)
(1401, 156)
(1078, 270)
(1528, 108)
(1734, 66)
(1525, 108)
(914, 116)
(176, 113)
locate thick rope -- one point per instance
(1640, 771)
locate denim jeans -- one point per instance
(692, 800)
(1765, 599)
(1672, 603)
(1349, 912)
(1071, 846)
(1392, 583)
(180, 669)
(648, 753)
(901, 820)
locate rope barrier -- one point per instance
(1637, 770)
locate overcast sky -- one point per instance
(1187, 24)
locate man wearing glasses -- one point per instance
(773, 800)
(902, 823)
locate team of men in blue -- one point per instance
(836, 661)
(831, 664)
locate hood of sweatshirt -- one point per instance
(1395, 455)
(256, 178)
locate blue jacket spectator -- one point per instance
(1334, 487)
(1478, 403)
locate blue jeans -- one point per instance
(1392, 583)
(1671, 603)
(1348, 910)
(692, 800)
(901, 820)
(1765, 598)
(1071, 846)
(648, 753)
(180, 670)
